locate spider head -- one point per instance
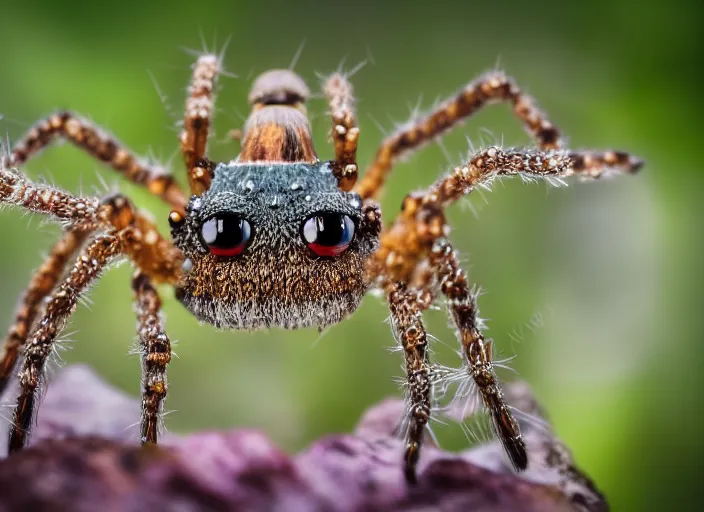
(274, 245)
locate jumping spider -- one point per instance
(277, 237)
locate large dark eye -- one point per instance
(328, 234)
(226, 234)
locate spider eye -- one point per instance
(226, 234)
(328, 234)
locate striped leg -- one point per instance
(406, 307)
(476, 350)
(100, 145)
(155, 350)
(41, 284)
(489, 89)
(93, 259)
(422, 219)
(345, 132)
(199, 114)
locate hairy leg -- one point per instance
(495, 162)
(491, 88)
(196, 126)
(155, 350)
(476, 350)
(93, 259)
(100, 145)
(150, 252)
(414, 250)
(125, 231)
(480, 171)
(406, 306)
(422, 219)
(345, 132)
(82, 213)
(41, 284)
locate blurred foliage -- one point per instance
(595, 289)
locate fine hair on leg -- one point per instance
(42, 283)
(345, 133)
(488, 89)
(477, 352)
(155, 352)
(92, 260)
(406, 306)
(200, 104)
(102, 146)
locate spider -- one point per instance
(278, 237)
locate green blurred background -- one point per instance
(595, 288)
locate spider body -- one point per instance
(279, 238)
(277, 280)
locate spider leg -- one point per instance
(100, 145)
(415, 250)
(476, 350)
(155, 258)
(92, 260)
(495, 162)
(422, 219)
(345, 132)
(82, 213)
(153, 254)
(488, 89)
(406, 306)
(155, 349)
(196, 126)
(41, 284)
(122, 230)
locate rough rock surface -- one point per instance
(83, 457)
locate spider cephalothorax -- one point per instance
(274, 245)
(278, 238)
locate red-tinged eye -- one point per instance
(328, 234)
(226, 234)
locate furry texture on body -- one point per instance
(277, 281)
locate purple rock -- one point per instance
(82, 457)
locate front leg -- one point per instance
(41, 284)
(92, 260)
(476, 350)
(406, 307)
(155, 351)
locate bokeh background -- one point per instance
(596, 289)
